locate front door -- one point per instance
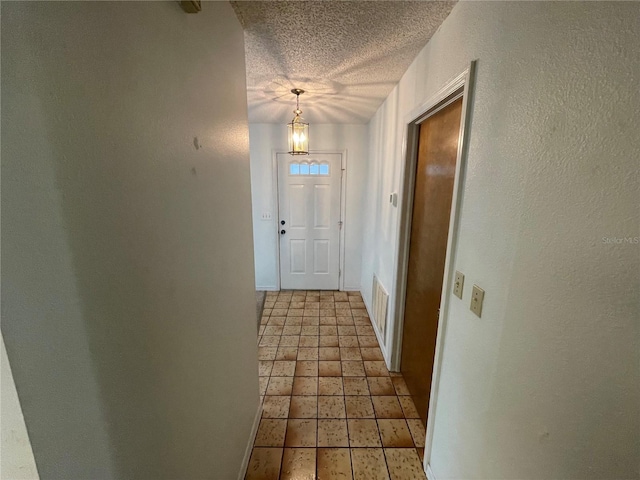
(309, 190)
(435, 173)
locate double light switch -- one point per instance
(477, 294)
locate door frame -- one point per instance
(343, 208)
(461, 85)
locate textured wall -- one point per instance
(267, 137)
(127, 271)
(546, 383)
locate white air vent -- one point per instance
(380, 300)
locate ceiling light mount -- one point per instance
(297, 129)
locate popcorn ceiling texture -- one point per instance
(346, 55)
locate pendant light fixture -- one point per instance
(298, 130)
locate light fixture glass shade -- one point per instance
(298, 136)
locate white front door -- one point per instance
(309, 190)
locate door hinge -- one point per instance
(340, 224)
(339, 272)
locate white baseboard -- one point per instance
(267, 289)
(351, 289)
(430, 475)
(252, 438)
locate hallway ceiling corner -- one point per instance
(346, 55)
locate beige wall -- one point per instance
(127, 258)
(546, 384)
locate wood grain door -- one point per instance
(435, 172)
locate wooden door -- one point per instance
(435, 172)
(309, 190)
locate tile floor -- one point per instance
(331, 410)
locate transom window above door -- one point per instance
(309, 168)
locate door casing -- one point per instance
(343, 216)
(461, 85)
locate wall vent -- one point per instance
(380, 300)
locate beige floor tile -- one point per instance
(361, 321)
(400, 386)
(346, 330)
(371, 353)
(326, 303)
(295, 312)
(303, 407)
(298, 464)
(263, 382)
(275, 406)
(293, 322)
(368, 341)
(287, 353)
(334, 464)
(330, 386)
(301, 432)
(340, 296)
(264, 464)
(347, 340)
(381, 386)
(329, 341)
(352, 368)
(267, 353)
(395, 433)
(359, 407)
(289, 341)
(308, 353)
(271, 432)
(331, 407)
(298, 297)
(387, 407)
(273, 330)
(350, 353)
(358, 310)
(283, 368)
(310, 321)
(311, 312)
(420, 454)
(261, 329)
(328, 353)
(293, 330)
(344, 318)
(269, 341)
(328, 321)
(297, 304)
(327, 330)
(280, 386)
(281, 304)
(365, 330)
(309, 341)
(363, 433)
(355, 386)
(408, 407)
(417, 432)
(305, 386)
(327, 312)
(404, 464)
(369, 464)
(265, 367)
(279, 312)
(332, 433)
(312, 304)
(310, 330)
(329, 368)
(375, 368)
(306, 368)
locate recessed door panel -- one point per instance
(321, 256)
(298, 256)
(309, 196)
(322, 206)
(297, 210)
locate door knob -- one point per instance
(281, 222)
(282, 232)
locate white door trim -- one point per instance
(461, 85)
(343, 207)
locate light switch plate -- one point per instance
(458, 284)
(477, 296)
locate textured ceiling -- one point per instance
(347, 55)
